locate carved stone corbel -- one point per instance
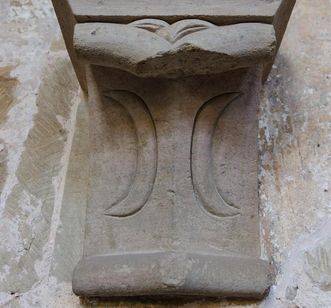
(173, 205)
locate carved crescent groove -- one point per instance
(201, 156)
(175, 31)
(142, 185)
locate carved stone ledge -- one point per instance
(174, 50)
(173, 205)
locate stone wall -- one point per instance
(41, 105)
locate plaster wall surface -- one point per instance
(41, 108)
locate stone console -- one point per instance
(173, 89)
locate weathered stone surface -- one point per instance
(7, 87)
(318, 264)
(174, 50)
(294, 170)
(34, 111)
(171, 273)
(156, 185)
(33, 197)
(295, 154)
(219, 13)
(70, 235)
(155, 188)
(67, 23)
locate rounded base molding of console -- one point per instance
(172, 274)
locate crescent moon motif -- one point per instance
(142, 185)
(201, 156)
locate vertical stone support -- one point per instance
(173, 205)
(173, 201)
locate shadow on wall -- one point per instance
(163, 302)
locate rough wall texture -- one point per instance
(39, 96)
(295, 168)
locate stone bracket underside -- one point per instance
(173, 205)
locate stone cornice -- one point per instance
(217, 11)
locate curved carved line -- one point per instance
(185, 27)
(175, 31)
(142, 185)
(201, 156)
(151, 25)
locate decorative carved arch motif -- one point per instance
(134, 199)
(174, 32)
(201, 156)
